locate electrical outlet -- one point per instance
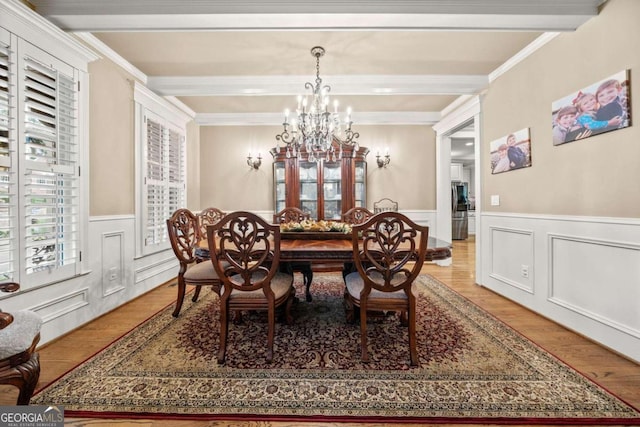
(495, 200)
(524, 270)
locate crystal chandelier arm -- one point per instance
(314, 129)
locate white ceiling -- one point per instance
(243, 61)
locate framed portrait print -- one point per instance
(601, 107)
(511, 152)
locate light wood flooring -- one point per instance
(615, 373)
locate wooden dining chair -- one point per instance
(19, 335)
(353, 216)
(356, 215)
(293, 214)
(184, 234)
(290, 214)
(385, 205)
(208, 217)
(245, 252)
(389, 250)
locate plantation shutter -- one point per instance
(164, 178)
(176, 171)
(51, 175)
(8, 196)
(155, 184)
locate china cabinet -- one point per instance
(325, 189)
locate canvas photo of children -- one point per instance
(600, 107)
(511, 152)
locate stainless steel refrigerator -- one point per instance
(459, 210)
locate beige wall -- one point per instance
(193, 166)
(111, 136)
(410, 177)
(597, 176)
(227, 182)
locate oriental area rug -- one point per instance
(473, 369)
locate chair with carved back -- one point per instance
(245, 252)
(19, 361)
(353, 216)
(356, 215)
(208, 217)
(290, 214)
(385, 205)
(184, 235)
(293, 214)
(389, 250)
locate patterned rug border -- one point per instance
(355, 418)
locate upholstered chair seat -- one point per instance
(355, 285)
(19, 362)
(280, 285)
(19, 335)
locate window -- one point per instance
(162, 168)
(8, 208)
(39, 165)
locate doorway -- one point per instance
(463, 165)
(459, 127)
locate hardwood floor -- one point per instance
(615, 373)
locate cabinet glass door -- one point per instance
(360, 187)
(309, 188)
(280, 192)
(332, 190)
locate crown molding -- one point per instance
(158, 104)
(19, 19)
(520, 56)
(359, 118)
(107, 52)
(340, 85)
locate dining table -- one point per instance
(328, 248)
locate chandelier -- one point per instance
(313, 129)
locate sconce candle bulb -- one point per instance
(254, 163)
(383, 161)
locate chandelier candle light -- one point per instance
(314, 129)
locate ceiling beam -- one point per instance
(428, 118)
(152, 15)
(340, 85)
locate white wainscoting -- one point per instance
(113, 276)
(583, 272)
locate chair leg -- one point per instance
(271, 332)
(30, 373)
(349, 308)
(23, 376)
(403, 318)
(180, 299)
(287, 309)
(224, 329)
(196, 294)
(363, 333)
(413, 351)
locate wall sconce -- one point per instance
(254, 163)
(383, 162)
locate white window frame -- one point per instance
(30, 35)
(149, 106)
